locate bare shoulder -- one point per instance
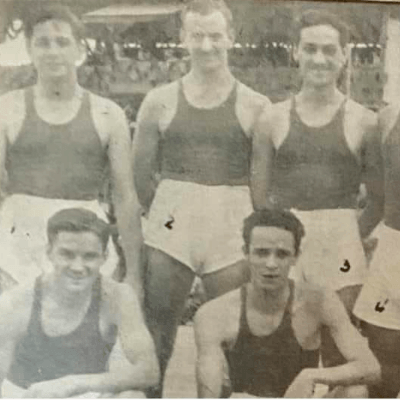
(362, 115)
(310, 297)
(12, 98)
(162, 95)
(276, 115)
(12, 105)
(387, 118)
(16, 306)
(105, 107)
(116, 292)
(251, 98)
(218, 319)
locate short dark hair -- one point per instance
(47, 12)
(77, 220)
(206, 7)
(278, 218)
(317, 17)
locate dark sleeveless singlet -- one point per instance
(265, 366)
(206, 146)
(391, 157)
(39, 357)
(314, 167)
(64, 161)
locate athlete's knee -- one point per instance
(348, 392)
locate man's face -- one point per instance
(271, 254)
(320, 55)
(76, 258)
(54, 50)
(207, 39)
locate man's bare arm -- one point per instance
(145, 149)
(15, 307)
(362, 367)
(7, 115)
(262, 160)
(372, 166)
(127, 207)
(137, 346)
(212, 332)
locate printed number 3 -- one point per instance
(346, 266)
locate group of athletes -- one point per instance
(257, 199)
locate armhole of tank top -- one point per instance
(35, 319)
(26, 107)
(289, 117)
(234, 96)
(395, 124)
(289, 307)
(102, 135)
(179, 98)
(243, 324)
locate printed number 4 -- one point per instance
(379, 307)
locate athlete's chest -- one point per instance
(59, 112)
(297, 321)
(342, 128)
(56, 320)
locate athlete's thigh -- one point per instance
(226, 279)
(167, 282)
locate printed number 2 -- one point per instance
(346, 266)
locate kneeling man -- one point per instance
(57, 333)
(267, 333)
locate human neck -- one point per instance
(269, 301)
(67, 299)
(219, 77)
(64, 89)
(318, 96)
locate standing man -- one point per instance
(266, 335)
(197, 134)
(317, 148)
(58, 332)
(378, 305)
(57, 141)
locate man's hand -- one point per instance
(55, 388)
(302, 387)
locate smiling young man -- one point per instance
(58, 332)
(57, 143)
(317, 148)
(263, 339)
(197, 133)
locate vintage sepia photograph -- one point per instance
(199, 199)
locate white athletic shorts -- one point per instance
(379, 300)
(23, 237)
(332, 254)
(199, 225)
